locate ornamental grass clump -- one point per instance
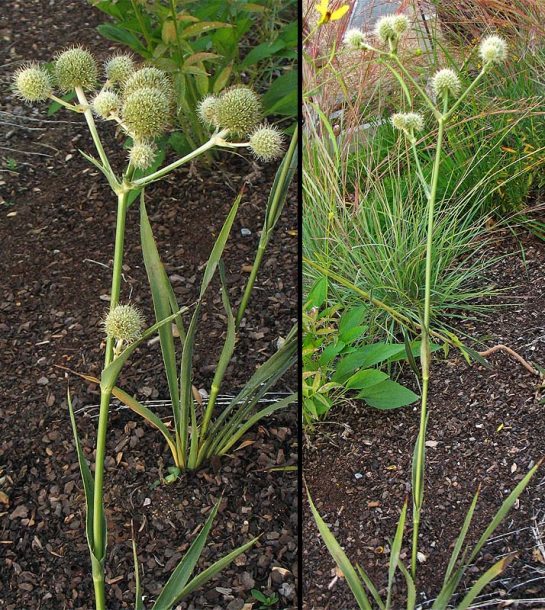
(448, 94)
(140, 102)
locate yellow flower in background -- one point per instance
(327, 15)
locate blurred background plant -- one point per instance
(206, 46)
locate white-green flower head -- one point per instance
(149, 78)
(32, 83)
(267, 143)
(446, 82)
(146, 113)
(106, 103)
(124, 323)
(400, 24)
(384, 29)
(493, 49)
(355, 39)
(76, 68)
(142, 155)
(238, 110)
(119, 69)
(207, 110)
(411, 122)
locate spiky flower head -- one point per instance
(149, 78)
(267, 143)
(239, 110)
(124, 323)
(400, 24)
(384, 29)
(355, 39)
(32, 83)
(408, 121)
(493, 49)
(119, 69)
(207, 110)
(142, 155)
(446, 82)
(76, 67)
(146, 113)
(106, 103)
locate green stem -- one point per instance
(99, 535)
(421, 91)
(62, 102)
(100, 592)
(214, 140)
(425, 356)
(466, 93)
(87, 112)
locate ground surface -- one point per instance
(56, 235)
(486, 426)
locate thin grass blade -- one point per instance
(481, 583)
(371, 587)
(395, 552)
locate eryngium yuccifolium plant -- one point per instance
(146, 113)
(124, 323)
(239, 110)
(355, 39)
(493, 49)
(207, 110)
(267, 143)
(446, 82)
(408, 121)
(106, 103)
(142, 155)
(33, 83)
(76, 67)
(119, 69)
(149, 78)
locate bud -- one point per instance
(119, 69)
(355, 39)
(207, 110)
(76, 68)
(385, 30)
(149, 78)
(106, 103)
(267, 143)
(239, 110)
(124, 323)
(408, 121)
(146, 113)
(493, 49)
(446, 82)
(32, 83)
(142, 155)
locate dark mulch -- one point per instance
(486, 427)
(56, 236)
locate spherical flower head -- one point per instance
(146, 113)
(124, 323)
(493, 49)
(106, 103)
(149, 78)
(239, 110)
(207, 110)
(76, 68)
(142, 155)
(119, 69)
(33, 83)
(355, 39)
(385, 30)
(408, 121)
(267, 143)
(446, 82)
(400, 24)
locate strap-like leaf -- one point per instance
(411, 588)
(341, 559)
(481, 583)
(139, 603)
(395, 552)
(161, 294)
(371, 587)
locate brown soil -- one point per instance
(56, 236)
(486, 428)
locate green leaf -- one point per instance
(261, 52)
(317, 294)
(365, 379)
(411, 588)
(481, 583)
(351, 318)
(203, 26)
(282, 97)
(388, 395)
(139, 603)
(222, 79)
(341, 559)
(161, 293)
(365, 357)
(395, 552)
(371, 587)
(112, 32)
